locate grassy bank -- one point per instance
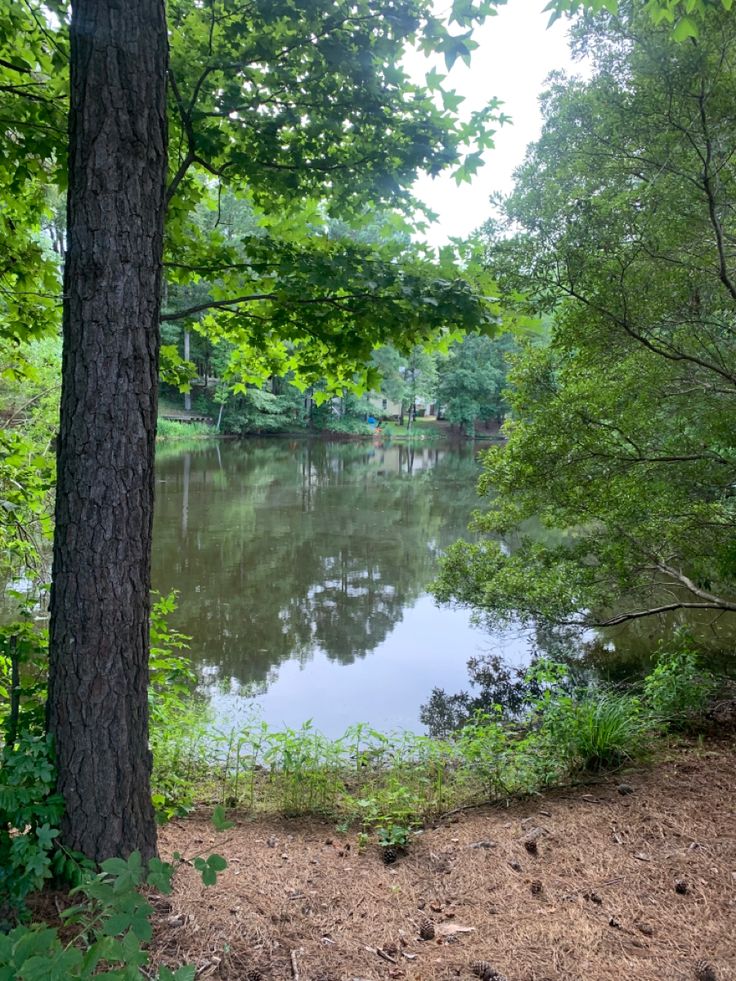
(167, 429)
(390, 783)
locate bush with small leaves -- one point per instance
(678, 690)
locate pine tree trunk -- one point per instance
(100, 597)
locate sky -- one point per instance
(516, 53)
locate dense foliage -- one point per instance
(472, 381)
(620, 228)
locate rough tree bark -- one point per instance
(100, 602)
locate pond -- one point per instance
(302, 568)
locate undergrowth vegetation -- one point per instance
(105, 932)
(175, 429)
(390, 783)
(386, 785)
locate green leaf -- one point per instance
(160, 875)
(61, 966)
(219, 820)
(46, 835)
(684, 29)
(451, 100)
(433, 79)
(185, 973)
(209, 876)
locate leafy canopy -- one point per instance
(299, 112)
(682, 17)
(622, 443)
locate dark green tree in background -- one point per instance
(472, 381)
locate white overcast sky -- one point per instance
(516, 53)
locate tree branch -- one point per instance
(179, 176)
(671, 354)
(723, 607)
(21, 69)
(336, 301)
(215, 305)
(723, 273)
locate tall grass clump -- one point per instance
(594, 731)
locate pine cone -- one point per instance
(705, 971)
(426, 929)
(254, 975)
(681, 887)
(536, 887)
(389, 855)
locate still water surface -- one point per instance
(302, 569)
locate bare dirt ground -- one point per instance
(637, 883)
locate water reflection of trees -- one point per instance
(282, 548)
(620, 656)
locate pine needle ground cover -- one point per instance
(637, 884)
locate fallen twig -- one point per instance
(383, 954)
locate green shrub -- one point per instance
(179, 721)
(345, 425)
(392, 810)
(678, 690)
(30, 812)
(485, 747)
(23, 671)
(306, 769)
(113, 921)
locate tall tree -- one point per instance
(622, 228)
(472, 379)
(104, 505)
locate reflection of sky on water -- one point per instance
(302, 569)
(428, 648)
